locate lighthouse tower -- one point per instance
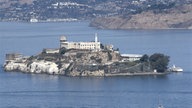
(96, 39)
(97, 46)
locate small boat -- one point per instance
(175, 69)
(33, 20)
(160, 106)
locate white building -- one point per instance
(51, 51)
(96, 45)
(131, 57)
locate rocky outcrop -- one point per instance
(174, 18)
(11, 65)
(72, 63)
(87, 73)
(34, 67)
(78, 63)
(43, 66)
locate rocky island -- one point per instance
(87, 59)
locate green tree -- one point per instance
(144, 58)
(109, 56)
(159, 62)
(62, 50)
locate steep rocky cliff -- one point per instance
(79, 63)
(174, 18)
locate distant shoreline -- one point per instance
(137, 74)
(95, 26)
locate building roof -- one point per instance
(132, 55)
(63, 38)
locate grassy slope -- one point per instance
(177, 17)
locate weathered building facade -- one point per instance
(95, 45)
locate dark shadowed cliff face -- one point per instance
(177, 17)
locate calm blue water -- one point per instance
(18, 90)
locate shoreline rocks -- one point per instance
(81, 62)
(79, 68)
(44, 67)
(34, 67)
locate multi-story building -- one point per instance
(95, 45)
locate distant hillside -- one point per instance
(8, 3)
(176, 17)
(119, 11)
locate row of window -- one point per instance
(89, 45)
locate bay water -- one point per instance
(19, 90)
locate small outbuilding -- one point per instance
(131, 57)
(51, 50)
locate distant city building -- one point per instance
(95, 45)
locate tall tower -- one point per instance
(96, 39)
(63, 41)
